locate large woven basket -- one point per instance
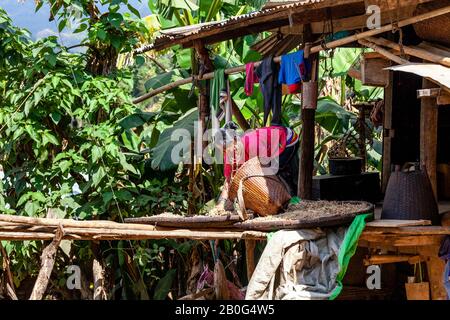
(258, 189)
(409, 196)
(434, 29)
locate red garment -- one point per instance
(267, 142)
(250, 78)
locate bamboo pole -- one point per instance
(383, 52)
(315, 49)
(416, 52)
(102, 234)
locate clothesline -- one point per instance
(314, 49)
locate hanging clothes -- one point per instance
(267, 72)
(250, 78)
(293, 71)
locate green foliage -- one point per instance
(72, 141)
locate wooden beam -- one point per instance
(385, 28)
(402, 241)
(383, 259)
(416, 52)
(359, 22)
(409, 231)
(434, 48)
(429, 135)
(442, 96)
(382, 51)
(428, 93)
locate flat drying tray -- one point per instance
(309, 214)
(194, 222)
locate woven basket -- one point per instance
(435, 29)
(258, 190)
(409, 196)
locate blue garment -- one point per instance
(292, 70)
(444, 253)
(447, 279)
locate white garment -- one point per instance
(298, 265)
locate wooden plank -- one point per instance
(399, 231)
(383, 259)
(429, 136)
(391, 223)
(402, 241)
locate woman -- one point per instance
(275, 145)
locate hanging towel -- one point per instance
(292, 71)
(267, 73)
(217, 84)
(250, 78)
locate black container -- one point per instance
(344, 166)
(409, 196)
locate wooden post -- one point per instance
(250, 257)
(204, 65)
(388, 131)
(428, 135)
(308, 113)
(435, 270)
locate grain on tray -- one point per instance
(306, 210)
